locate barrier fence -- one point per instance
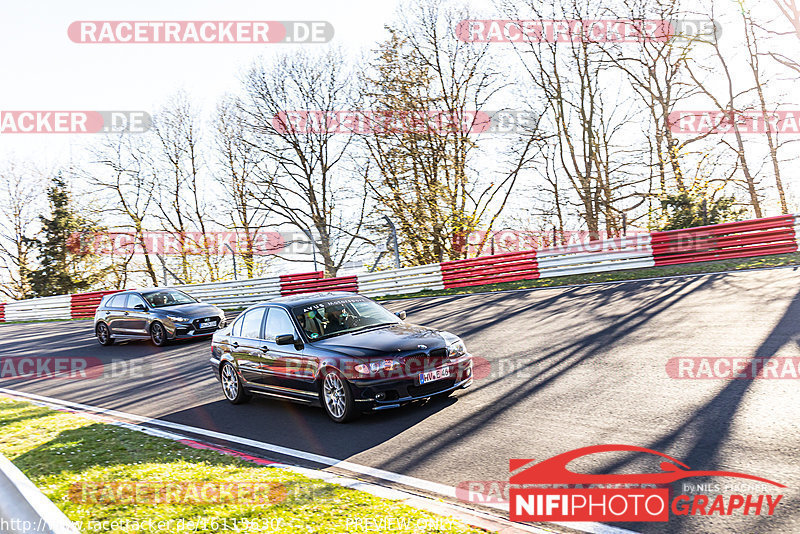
(24, 509)
(773, 235)
(234, 294)
(83, 305)
(310, 282)
(758, 237)
(507, 267)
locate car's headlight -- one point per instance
(457, 349)
(362, 368)
(375, 367)
(455, 346)
(177, 319)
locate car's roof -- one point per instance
(143, 291)
(148, 290)
(287, 301)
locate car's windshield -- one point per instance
(167, 297)
(340, 316)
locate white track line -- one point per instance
(412, 482)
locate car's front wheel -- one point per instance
(231, 385)
(103, 334)
(158, 335)
(337, 398)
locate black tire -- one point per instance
(337, 398)
(232, 387)
(103, 334)
(158, 335)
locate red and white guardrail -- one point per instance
(758, 237)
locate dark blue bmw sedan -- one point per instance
(339, 350)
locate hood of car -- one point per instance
(193, 310)
(384, 340)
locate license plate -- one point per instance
(208, 324)
(436, 374)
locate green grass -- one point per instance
(775, 260)
(60, 451)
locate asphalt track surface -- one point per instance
(567, 368)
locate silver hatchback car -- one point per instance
(160, 314)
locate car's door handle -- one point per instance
(235, 345)
(265, 349)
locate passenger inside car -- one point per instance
(313, 323)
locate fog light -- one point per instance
(380, 396)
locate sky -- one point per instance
(44, 70)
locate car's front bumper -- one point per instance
(381, 394)
(188, 331)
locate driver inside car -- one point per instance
(336, 319)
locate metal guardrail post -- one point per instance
(24, 509)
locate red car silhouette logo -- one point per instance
(554, 470)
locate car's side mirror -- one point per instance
(285, 339)
(139, 307)
(401, 315)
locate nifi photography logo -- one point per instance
(571, 496)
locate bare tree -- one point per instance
(753, 61)
(20, 202)
(730, 107)
(306, 183)
(436, 86)
(180, 183)
(791, 12)
(126, 176)
(586, 118)
(656, 70)
(239, 163)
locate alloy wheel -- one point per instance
(102, 334)
(157, 333)
(230, 384)
(333, 393)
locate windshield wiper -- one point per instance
(370, 327)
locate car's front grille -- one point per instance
(196, 324)
(425, 361)
(438, 353)
(431, 388)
